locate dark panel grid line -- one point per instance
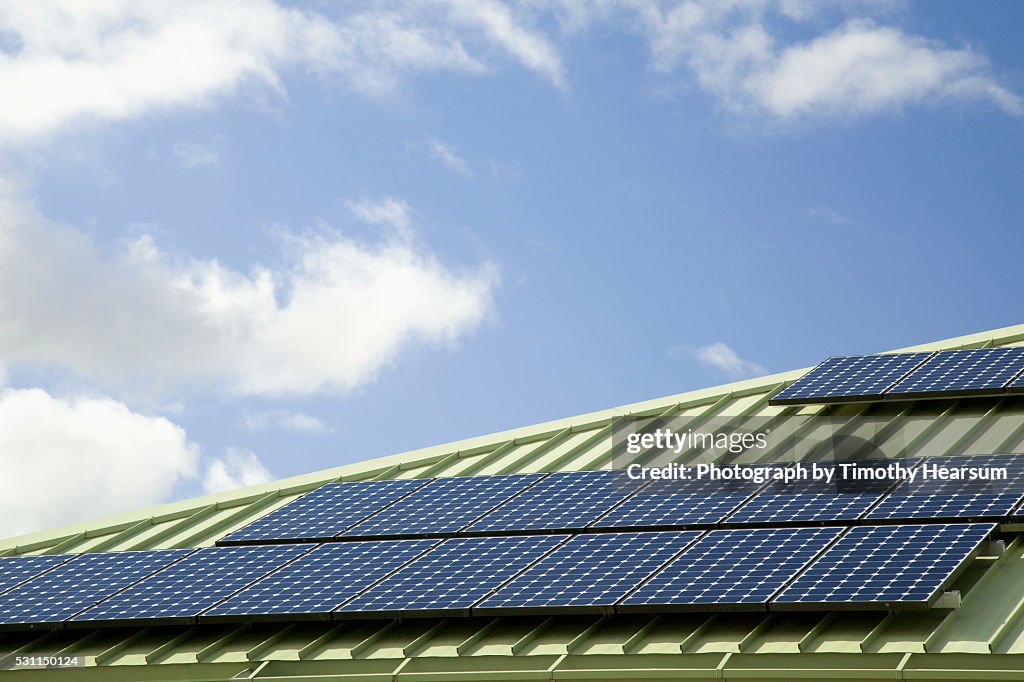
(72, 587)
(850, 378)
(318, 582)
(182, 591)
(443, 506)
(589, 572)
(323, 513)
(885, 567)
(453, 576)
(731, 570)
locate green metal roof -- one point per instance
(983, 639)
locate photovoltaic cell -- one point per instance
(1017, 385)
(962, 372)
(567, 500)
(592, 570)
(325, 512)
(956, 498)
(667, 503)
(76, 585)
(731, 568)
(455, 575)
(851, 378)
(322, 580)
(15, 570)
(185, 589)
(445, 505)
(883, 566)
(811, 501)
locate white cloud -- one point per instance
(192, 155)
(857, 68)
(449, 158)
(284, 419)
(722, 357)
(390, 212)
(238, 468)
(73, 62)
(66, 460)
(827, 214)
(329, 319)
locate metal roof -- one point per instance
(983, 639)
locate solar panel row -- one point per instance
(760, 568)
(608, 500)
(904, 376)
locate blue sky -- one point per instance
(243, 240)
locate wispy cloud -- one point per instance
(722, 357)
(828, 215)
(449, 158)
(284, 419)
(192, 155)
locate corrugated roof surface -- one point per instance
(983, 639)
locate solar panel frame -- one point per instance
(588, 573)
(324, 513)
(850, 378)
(443, 507)
(730, 570)
(563, 501)
(318, 582)
(890, 560)
(451, 578)
(206, 577)
(74, 586)
(947, 500)
(961, 373)
(1016, 385)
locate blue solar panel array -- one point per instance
(562, 501)
(669, 503)
(589, 571)
(186, 588)
(318, 582)
(937, 498)
(444, 505)
(59, 594)
(733, 568)
(851, 378)
(15, 570)
(962, 373)
(878, 566)
(907, 376)
(325, 512)
(453, 576)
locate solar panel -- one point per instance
(445, 505)
(589, 571)
(885, 567)
(320, 581)
(453, 576)
(956, 498)
(76, 585)
(731, 569)
(962, 373)
(15, 570)
(568, 500)
(817, 500)
(185, 589)
(667, 503)
(325, 512)
(850, 379)
(1017, 385)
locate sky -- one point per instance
(246, 240)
